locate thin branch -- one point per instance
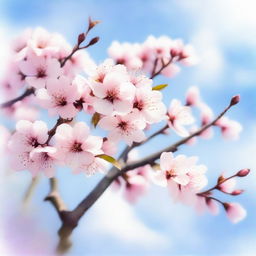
(164, 65)
(30, 190)
(125, 153)
(54, 197)
(9, 103)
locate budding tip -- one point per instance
(243, 172)
(235, 100)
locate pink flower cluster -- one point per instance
(150, 55)
(125, 102)
(230, 129)
(185, 181)
(120, 100)
(74, 147)
(36, 58)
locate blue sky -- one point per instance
(224, 35)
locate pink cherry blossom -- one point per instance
(179, 116)
(227, 186)
(126, 54)
(193, 96)
(235, 212)
(182, 176)
(39, 69)
(59, 97)
(140, 80)
(230, 129)
(85, 100)
(114, 95)
(28, 137)
(149, 104)
(109, 147)
(128, 128)
(96, 166)
(43, 159)
(174, 169)
(75, 146)
(203, 204)
(136, 186)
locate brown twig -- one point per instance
(9, 103)
(164, 65)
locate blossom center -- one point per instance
(33, 142)
(170, 174)
(76, 147)
(41, 73)
(61, 101)
(138, 104)
(22, 76)
(123, 125)
(111, 96)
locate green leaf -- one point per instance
(95, 119)
(111, 160)
(159, 87)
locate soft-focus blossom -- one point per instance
(28, 137)
(128, 128)
(230, 129)
(179, 116)
(126, 54)
(235, 212)
(59, 97)
(152, 54)
(136, 186)
(43, 160)
(193, 96)
(75, 146)
(96, 166)
(227, 186)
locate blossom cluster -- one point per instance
(154, 53)
(120, 98)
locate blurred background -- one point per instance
(223, 33)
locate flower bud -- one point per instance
(237, 192)
(235, 100)
(243, 173)
(80, 38)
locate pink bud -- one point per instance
(237, 192)
(235, 100)
(243, 173)
(235, 212)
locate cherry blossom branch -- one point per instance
(152, 158)
(9, 103)
(70, 219)
(81, 38)
(164, 65)
(54, 197)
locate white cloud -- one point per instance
(211, 63)
(117, 218)
(230, 19)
